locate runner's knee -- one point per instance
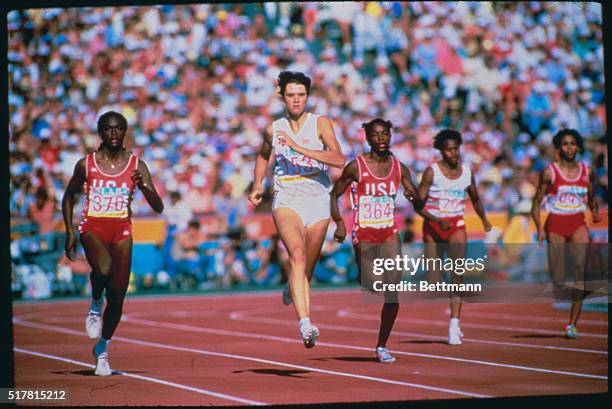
(297, 256)
(103, 270)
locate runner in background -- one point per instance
(445, 186)
(567, 184)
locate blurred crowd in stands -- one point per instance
(197, 85)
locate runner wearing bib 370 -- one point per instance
(304, 145)
(445, 185)
(108, 198)
(375, 178)
(109, 177)
(567, 184)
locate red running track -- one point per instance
(244, 349)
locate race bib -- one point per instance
(294, 167)
(571, 197)
(376, 211)
(452, 202)
(108, 202)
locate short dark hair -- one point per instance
(105, 116)
(288, 77)
(195, 223)
(445, 135)
(41, 193)
(369, 126)
(559, 135)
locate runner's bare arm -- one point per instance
(350, 174)
(331, 156)
(423, 192)
(410, 191)
(261, 166)
(477, 203)
(74, 188)
(592, 200)
(142, 177)
(543, 182)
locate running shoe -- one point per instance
(384, 356)
(309, 335)
(287, 296)
(453, 336)
(93, 325)
(102, 365)
(459, 332)
(571, 332)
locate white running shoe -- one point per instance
(384, 356)
(309, 335)
(93, 325)
(453, 336)
(287, 296)
(459, 332)
(102, 365)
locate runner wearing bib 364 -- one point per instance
(375, 178)
(444, 185)
(304, 146)
(567, 185)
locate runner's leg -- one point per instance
(314, 238)
(292, 233)
(121, 254)
(578, 249)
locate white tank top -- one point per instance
(296, 175)
(447, 196)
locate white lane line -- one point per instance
(444, 323)
(346, 314)
(146, 298)
(530, 318)
(146, 378)
(258, 360)
(192, 328)
(238, 315)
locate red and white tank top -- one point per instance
(373, 198)
(108, 196)
(567, 196)
(447, 196)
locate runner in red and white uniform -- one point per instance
(445, 186)
(375, 178)
(567, 185)
(108, 177)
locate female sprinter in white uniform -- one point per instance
(304, 146)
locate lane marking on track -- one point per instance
(529, 318)
(346, 313)
(191, 328)
(236, 315)
(258, 360)
(246, 316)
(162, 297)
(146, 378)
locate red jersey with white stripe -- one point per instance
(373, 200)
(108, 197)
(447, 196)
(567, 196)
